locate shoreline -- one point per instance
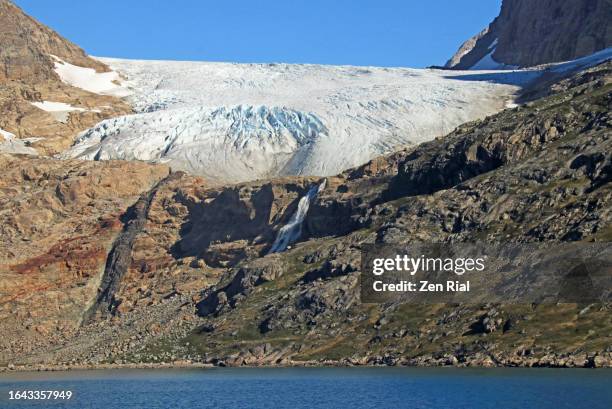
(285, 364)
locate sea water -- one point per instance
(302, 388)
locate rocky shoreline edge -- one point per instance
(484, 361)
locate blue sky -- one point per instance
(413, 33)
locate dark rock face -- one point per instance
(120, 256)
(244, 280)
(226, 225)
(531, 32)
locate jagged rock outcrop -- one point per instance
(241, 283)
(27, 75)
(528, 33)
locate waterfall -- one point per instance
(292, 231)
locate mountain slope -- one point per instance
(535, 173)
(58, 221)
(33, 59)
(528, 33)
(27, 46)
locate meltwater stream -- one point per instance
(292, 231)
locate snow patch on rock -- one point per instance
(9, 143)
(488, 62)
(59, 110)
(105, 83)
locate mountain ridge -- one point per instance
(41, 112)
(28, 44)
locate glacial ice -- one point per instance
(239, 122)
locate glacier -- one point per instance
(234, 122)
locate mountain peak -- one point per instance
(26, 46)
(528, 33)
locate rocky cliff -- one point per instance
(28, 75)
(528, 33)
(59, 222)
